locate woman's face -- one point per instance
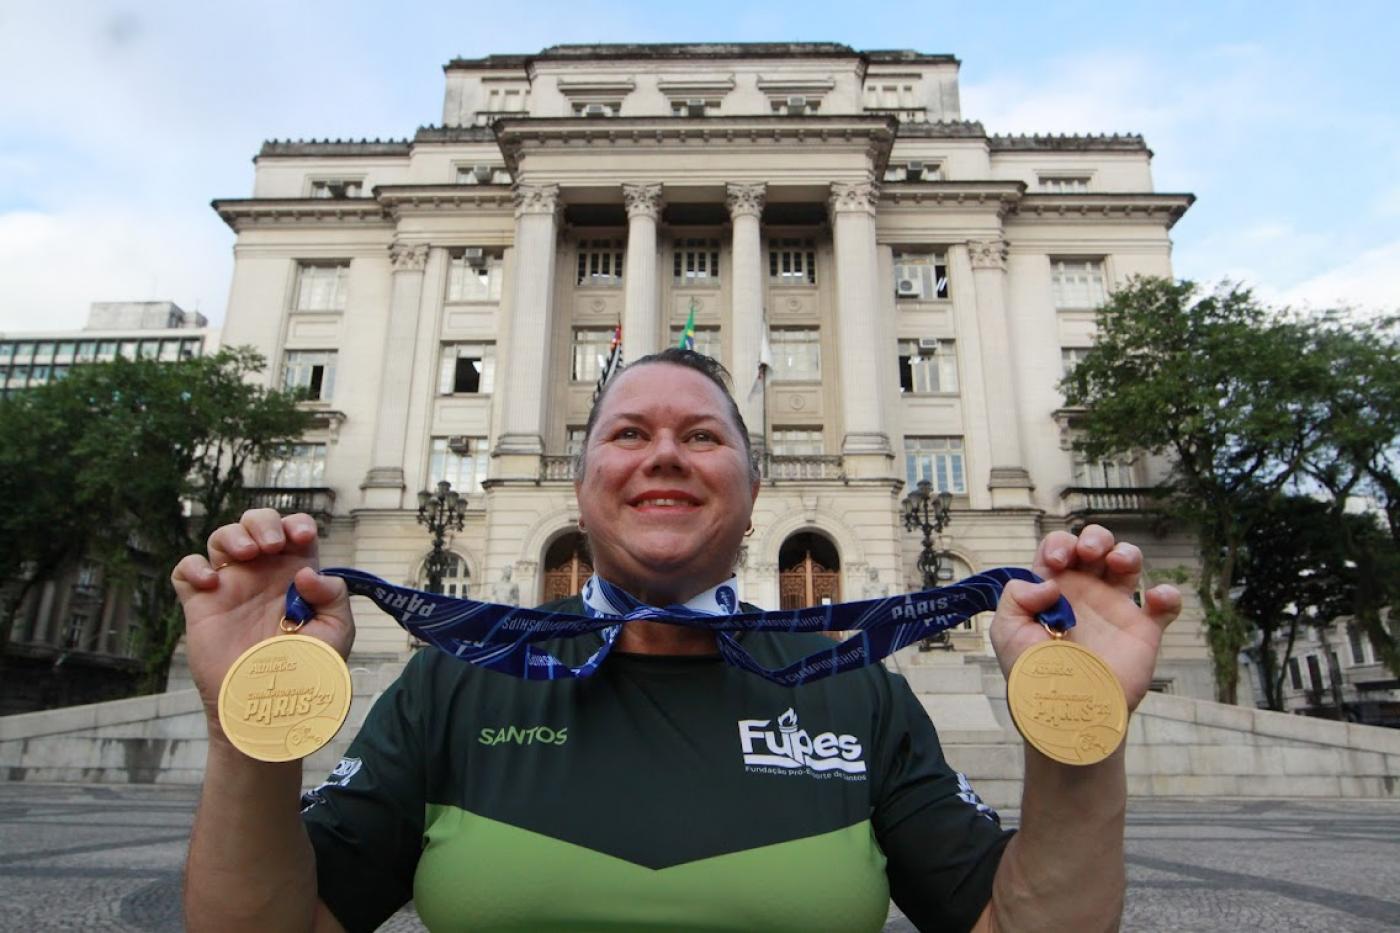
(667, 491)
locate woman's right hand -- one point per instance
(230, 610)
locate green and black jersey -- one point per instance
(661, 793)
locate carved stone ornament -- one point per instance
(536, 199)
(987, 254)
(745, 200)
(860, 196)
(408, 257)
(643, 200)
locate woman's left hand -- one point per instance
(1099, 577)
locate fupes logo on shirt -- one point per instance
(775, 747)
(523, 735)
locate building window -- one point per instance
(298, 466)
(927, 365)
(1070, 357)
(1111, 473)
(693, 107)
(797, 353)
(1077, 283)
(706, 340)
(1315, 673)
(591, 346)
(483, 175)
(921, 276)
(1356, 642)
(474, 275)
(573, 440)
(311, 370)
(795, 105)
(335, 188)
(607, 108)
(1064, 184)
(798, 442)
(321, 286)
(1295, 674)
(696, 262)
(914, 171)
(600, 263)
(938, 460)
(462, 461)
(456, 581)
(792, 262)
(467, 368)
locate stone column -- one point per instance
(746, 319)
(1009, 483)
(641, 317)
(383, 486)
(866, 443)
(525, 368)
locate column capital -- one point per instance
(987, 254)
(408, 257)
(745, 200)
(643, 200)
(536, 199)
(853, 197)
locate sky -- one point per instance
(121, 121)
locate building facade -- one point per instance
(1333, 672)
(449, 299)
(70, 641)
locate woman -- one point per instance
(668, 790)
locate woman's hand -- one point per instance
(1099, 577)
(230, 610)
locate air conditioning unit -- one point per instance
(914, 171)
(907, 287)
(796, 105)
(475, 256)
(459, 444)
(695, 107)
(595, 110)
(928, 343)
(483, 173)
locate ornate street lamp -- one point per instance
(928, 512)
(440, 512)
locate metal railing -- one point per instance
(317, 501)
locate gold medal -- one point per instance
(1067, 703)
(285, 697)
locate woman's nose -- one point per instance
(666, 452)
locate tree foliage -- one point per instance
(132, 463)
(1229, 392)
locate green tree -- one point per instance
(1358, 461)
(1226, 390)
(131, 464)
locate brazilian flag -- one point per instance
(687, 341)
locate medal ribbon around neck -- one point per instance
(502, 638)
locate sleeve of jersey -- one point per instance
(366, 820)
(941, 842)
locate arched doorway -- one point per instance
(809, 571)
(567, 567)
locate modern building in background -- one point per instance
(69, 642)
(449, 298)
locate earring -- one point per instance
(749, 533)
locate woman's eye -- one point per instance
(704, 437)
(628, 434)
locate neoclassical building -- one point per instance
(449, 299)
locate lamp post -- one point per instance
(440, 512)
(928, 512)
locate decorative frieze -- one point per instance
(987, 254)
(745, 200)
(643, 200)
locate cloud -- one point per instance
(1369, 283)
(54, 264)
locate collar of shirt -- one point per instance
(604, 599)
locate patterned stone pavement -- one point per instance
(108, 858)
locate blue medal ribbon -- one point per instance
(502, 638)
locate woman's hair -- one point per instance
(711, 368)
